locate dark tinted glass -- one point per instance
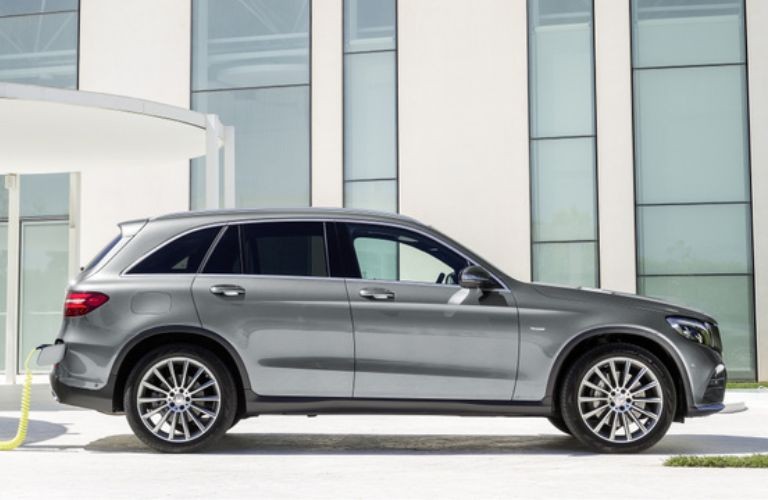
(225, 258)
(180, 256)
(284, 248)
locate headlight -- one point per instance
(692, 329)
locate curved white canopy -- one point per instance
(44, 130)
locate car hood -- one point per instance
(620, 299)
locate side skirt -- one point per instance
(265, 405)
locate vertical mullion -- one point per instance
(12, 279)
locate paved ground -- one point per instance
(82, 454)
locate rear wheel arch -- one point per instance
(148, 340)
(589, 340)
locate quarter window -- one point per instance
(392, 254)
(181, 256)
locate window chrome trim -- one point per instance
(320, 219)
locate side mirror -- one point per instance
(476, 277)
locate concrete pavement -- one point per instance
(83, 454)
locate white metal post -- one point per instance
(212, 128)
(229, 167)
(74, 225)
(12, 279)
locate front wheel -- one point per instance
(618, 398)
(180, 398)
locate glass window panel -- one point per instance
(369, 25)
(17, 7)
(272, 143)
(693, 239)
(728, 299)
(677, 32)
(370, 149)
(43, 280)
(44, 195)
(3, 198)
(181, 256)
(284, 249)
(565, 263)
(226, 258)
(563, 189)
(691, 135)
(561, 68)
(3, 282)
(250, 43)
(376, 258)
(39, 50)
(373, 195)
(197, 184)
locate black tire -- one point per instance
(227, 404)
(663, 392)
(559, 424)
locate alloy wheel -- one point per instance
(178, 399)
(620, 399)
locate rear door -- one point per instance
(266, 287)
(417, 333)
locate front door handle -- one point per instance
(228, 290)
(377, 294)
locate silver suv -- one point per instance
(189, 322)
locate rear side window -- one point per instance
(225, 258)
(181, 256)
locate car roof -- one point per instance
(270, 213)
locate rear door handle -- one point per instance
(228, 290)
(377, 294)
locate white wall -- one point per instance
(463, 128)
(137, 48)
(327, 104)
(615, 170)
(757, 63)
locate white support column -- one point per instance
(74, 225)
(12, 279)
(213, 125)
(327, 104)
(615, 168)
(229, 167)
(757, 62)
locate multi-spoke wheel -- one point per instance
(618, 398)
(180, 398)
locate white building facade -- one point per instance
(610, 143)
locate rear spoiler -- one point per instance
(129, 228)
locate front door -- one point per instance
(417, 333)
(266, 287)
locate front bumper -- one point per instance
(711, 401)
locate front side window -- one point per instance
(181, 256)
(394, 254)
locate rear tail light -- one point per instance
(81, 303)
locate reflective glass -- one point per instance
(369, 25)
(3, 198)
(44, 195)
(272, 143)
(677, 32)
(693, 239)
(691, 135)
(370, 149)
(39, 50)
(250, 43)
(565, 263)
(561, 68)
(563, 189)
(19, 7)
(44, 248)
(728, 299)
(373, 195)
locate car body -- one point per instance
(343, 318)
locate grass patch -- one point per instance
(750, 461)
(746, 385)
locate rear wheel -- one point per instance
(618, 398)
(180, 398)
(559, 424)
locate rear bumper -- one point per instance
(94, 399)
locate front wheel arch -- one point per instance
(587, 341)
